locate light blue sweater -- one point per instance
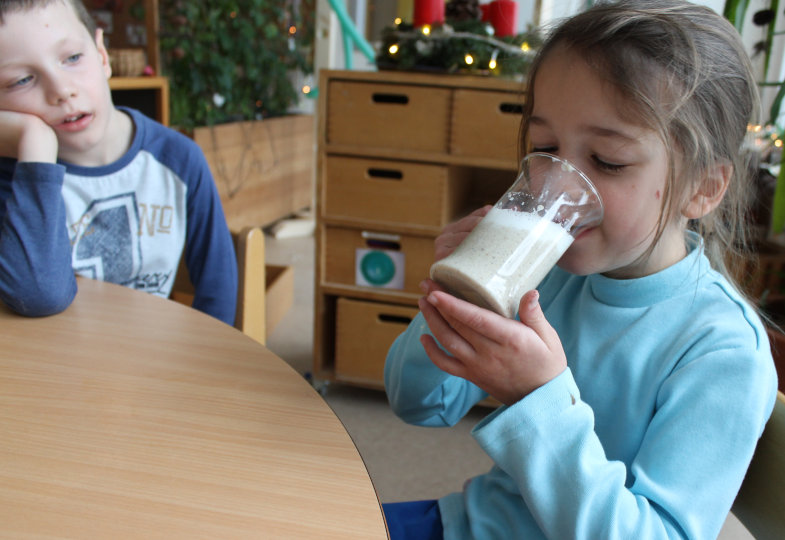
(646, 435)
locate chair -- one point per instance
(250, 317)
(760, 504)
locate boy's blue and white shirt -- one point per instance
(128, 222)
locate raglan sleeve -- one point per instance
(419, 392)
(209, 250)
(36, 274)
(685, 475)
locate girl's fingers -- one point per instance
(474, 323)
(452, 341)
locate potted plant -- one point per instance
(232, 67)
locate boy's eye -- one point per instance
(21, 82)
(73, 58)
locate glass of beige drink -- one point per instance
(523, 236)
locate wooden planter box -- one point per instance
(264, 169)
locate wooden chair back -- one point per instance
(760, 504)
(251, 283)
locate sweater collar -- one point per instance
(677, 279)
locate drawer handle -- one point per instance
(395, 99)
(511, 108)
(382, 240)
(386, 174)
(395, 319)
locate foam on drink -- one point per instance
(508, 253)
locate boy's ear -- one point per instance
(710, 191)
(103, 53)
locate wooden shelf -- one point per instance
(148, 94)
(400, 155)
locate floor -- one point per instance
(404, 462)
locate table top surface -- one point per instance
(131, 416)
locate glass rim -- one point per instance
(554, 157)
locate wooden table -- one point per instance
(130, 416)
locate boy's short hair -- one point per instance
(14, 6)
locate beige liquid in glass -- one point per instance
(508, 253)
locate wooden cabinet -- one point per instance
(400, 155)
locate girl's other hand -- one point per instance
(507, 358)
(454, 233)
(27, 138)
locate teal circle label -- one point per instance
(377, 268)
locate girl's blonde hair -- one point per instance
(682, 71)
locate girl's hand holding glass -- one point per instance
(505, 357)
(454, 233)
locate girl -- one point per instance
(637, 381)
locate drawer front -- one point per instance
(486, 124)
(364, 333)
(367, 258)
(388, 116)
(396, 192)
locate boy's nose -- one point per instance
(61, 91)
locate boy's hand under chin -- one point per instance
(505, 357)
(27, 138)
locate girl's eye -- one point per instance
(546, 149)
(606, 166)
(74, 58)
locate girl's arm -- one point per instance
(419, 392)
(682, 480)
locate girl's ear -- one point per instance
(102, 52)
(710, 191)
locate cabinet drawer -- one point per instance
(388, 116)
(367, 258)
(364, 333)
(486, 124)
(394, 191)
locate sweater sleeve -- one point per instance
(209, 251)
(685, 475)
(419, 392)
(36, 275)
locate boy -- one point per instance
(91, 189)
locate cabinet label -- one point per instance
(379, 268)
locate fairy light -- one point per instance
(398, 21)
(426, 29)
(525, 47)
(306, 89)
(492, 62)
(469, 59)
(393, 48)
(292, 30)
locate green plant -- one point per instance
(233, 59)
(736, 12)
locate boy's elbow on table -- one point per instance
(42, 302)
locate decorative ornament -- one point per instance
(463, 10)
(467, 46)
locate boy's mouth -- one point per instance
(75, 122)
(74, 118)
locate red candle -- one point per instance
(428, 12)
(502, 15)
